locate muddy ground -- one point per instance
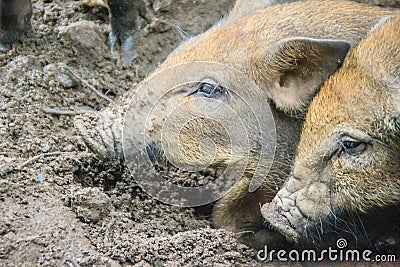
(58, 207)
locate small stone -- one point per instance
(90, 204)
(66, 80)
(142, 264)
(45, 147)
(85, 35)
(94, 3)
(59, 72)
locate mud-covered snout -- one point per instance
(299, 205)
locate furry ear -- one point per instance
(292, 70)
(245, 7)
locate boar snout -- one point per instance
(299, 205)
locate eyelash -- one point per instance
(353, 148)
(209, 90)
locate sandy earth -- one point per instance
(59, 205)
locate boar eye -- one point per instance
(212, 90)
(353, 148)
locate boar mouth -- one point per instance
(282, 221)
(376, 231)
(296, 212)
(295, 226)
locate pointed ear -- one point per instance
(245, 7)
(293, 69)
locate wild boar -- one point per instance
(347, 161)
(288, 51)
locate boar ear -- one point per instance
(295, 68)
(245, 7)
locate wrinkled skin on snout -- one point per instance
(265, 46)
(348, 156)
